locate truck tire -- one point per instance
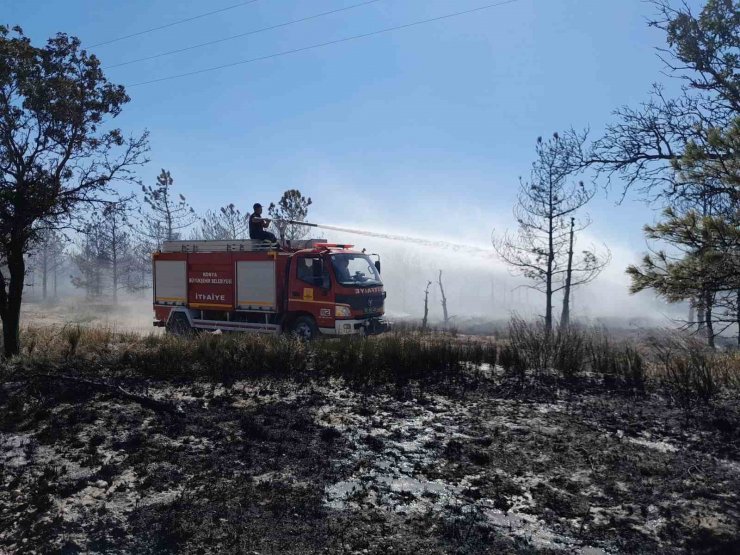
(179, 325)
(304, 328)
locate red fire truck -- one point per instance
(309, 289)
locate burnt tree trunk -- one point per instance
(11, 296)
(444, 300)
(44, 271)
(114, 262)
(426, 307)
(737, 315)
(708, 324)
(565, 316)
(549, 271)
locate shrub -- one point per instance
(569, 351)
(510, 360)
(534, 348)
(619, 365)
(397, 358)
(689, 369)
(694, 372)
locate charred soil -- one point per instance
(321, 464)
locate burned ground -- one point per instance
(485, 463)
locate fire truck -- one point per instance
(308, 288)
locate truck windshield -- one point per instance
(355, 269)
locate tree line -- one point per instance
(110, 250)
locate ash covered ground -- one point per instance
(488, 464)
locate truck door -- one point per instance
(310, 289)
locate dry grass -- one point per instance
(689, 370)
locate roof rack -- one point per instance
(239, 245)
(236, 245)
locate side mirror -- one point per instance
(377, 265)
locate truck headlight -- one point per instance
(342, 311)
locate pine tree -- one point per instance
(116, 246)
(291, 206)
(545, 203)
(168, 214)
(702, 267)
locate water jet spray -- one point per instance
(457, 247)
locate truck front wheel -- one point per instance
(304, 328)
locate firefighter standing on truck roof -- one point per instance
(257, 225)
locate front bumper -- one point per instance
(367, 326)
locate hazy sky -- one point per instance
(422, 131)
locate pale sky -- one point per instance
(422, 131)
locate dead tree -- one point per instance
(537, 251)
(565, 316)
(168, 214)
(426, 307)
(228, 223)
(444, 300)
(116, 244)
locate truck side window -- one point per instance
(310, 271)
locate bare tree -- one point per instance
(168, 214)
(544, 202)
(444, 300)
(47, 258)
(425, 321)
(139, 278)
(116, 246)
(57, 150)
(226, 224)
(89, 259)
(565, 315)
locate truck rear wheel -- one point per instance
(304, 328)
(178, 324)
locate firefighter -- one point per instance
(342, 270)
(258, 225)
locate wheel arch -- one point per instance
(180, 310)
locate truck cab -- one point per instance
(339, 288)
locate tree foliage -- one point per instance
(291, 206)
(57, 149)
(684, 152)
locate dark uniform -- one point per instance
(257, 226)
